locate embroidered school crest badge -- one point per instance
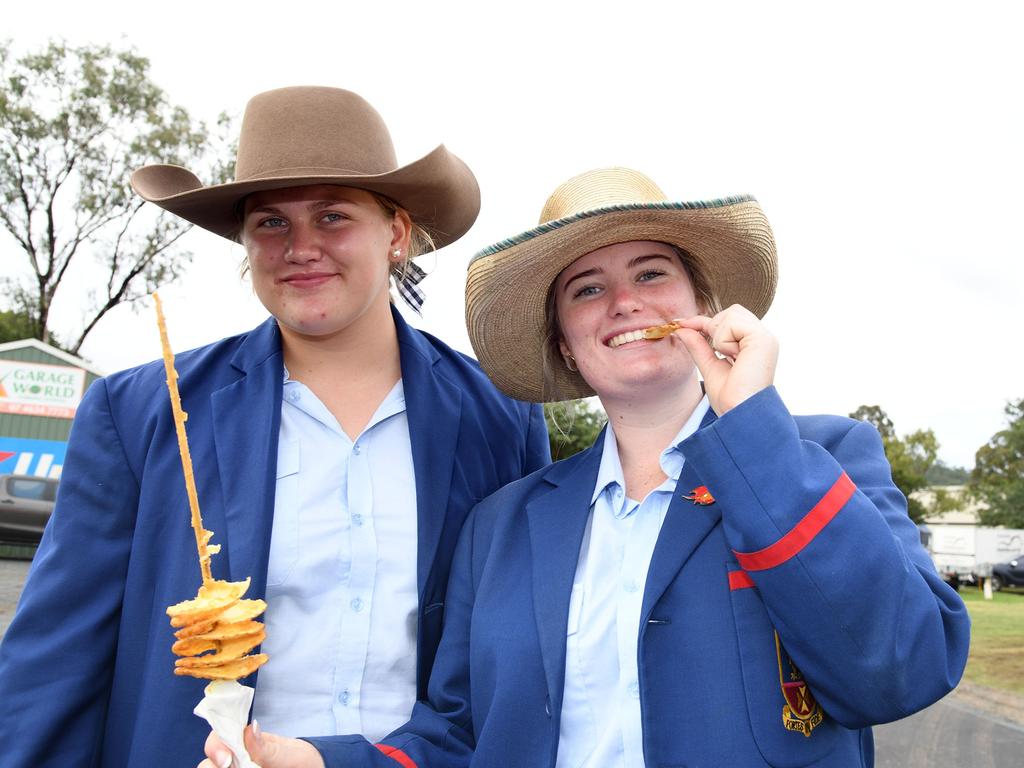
(801, 712)
(700, 495)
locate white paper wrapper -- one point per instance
(226, 708)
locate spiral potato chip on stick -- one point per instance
(216, 630)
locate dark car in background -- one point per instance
(1009, 574)
(25, 505)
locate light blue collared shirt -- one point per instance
(341, 586)
(601, 725)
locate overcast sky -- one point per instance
(883, 140)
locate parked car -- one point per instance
(25, 505)
(1009, 574)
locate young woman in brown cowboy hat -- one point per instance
(715, 582)
(337, 452)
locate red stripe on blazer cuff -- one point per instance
(397, 755)
(803, 532)
(740, 580)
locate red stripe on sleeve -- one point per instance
(740, 580)
(803, 532)
(397, 755)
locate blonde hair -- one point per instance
(420, 239)
(703, 292)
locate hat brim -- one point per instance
(507, 284)
(439, 191)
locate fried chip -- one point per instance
(231, 670)
(213, 598)
(224, 632)
(228, 650)
(193, 646)
(243, 610)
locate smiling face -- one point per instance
(320, 256)
(602, 298)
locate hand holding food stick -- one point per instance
(216, 629)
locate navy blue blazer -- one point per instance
(801, 533)
(86, 670)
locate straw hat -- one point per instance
(293, 137)
(508, 283)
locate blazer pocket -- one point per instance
(780, 746)
(284, 537)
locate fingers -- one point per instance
(217, 753)
(272, 751)
(700, 349)
(746, 354)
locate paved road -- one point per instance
(972, 728)
(12, 577)
(954, 733)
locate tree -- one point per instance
(572, 426)
(74, 123)
(15, 326)
(941, 473)
(997, 479)
(910, 458)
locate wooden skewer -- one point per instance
(202, 535)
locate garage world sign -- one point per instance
(32, 389)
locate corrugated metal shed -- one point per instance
(40, 427)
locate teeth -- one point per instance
(625, 338)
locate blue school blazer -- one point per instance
(788, 607)
(86, 670)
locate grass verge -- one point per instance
(13, 551)
(996, 657)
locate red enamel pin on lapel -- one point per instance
(700, 495)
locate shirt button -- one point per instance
(631, 586)
(357, 520)
(634, 689)
(357, 604)
(293, 395)
(343, 698)
(356, 449)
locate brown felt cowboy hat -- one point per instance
(507, 287)
(293, 137)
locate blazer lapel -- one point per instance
(433, 409)
(686, 525)
(557, 521)
(246, 423)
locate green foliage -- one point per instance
(944, 501)
(873, 414)
(941, 473)
(997, 479)
(15, 326)
(910, 457)
(572, 426)
(74, 124)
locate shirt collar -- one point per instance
(609, 474)
(303, 399)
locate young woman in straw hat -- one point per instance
(337, 452)
(715, 582)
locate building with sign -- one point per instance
(40, 389)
